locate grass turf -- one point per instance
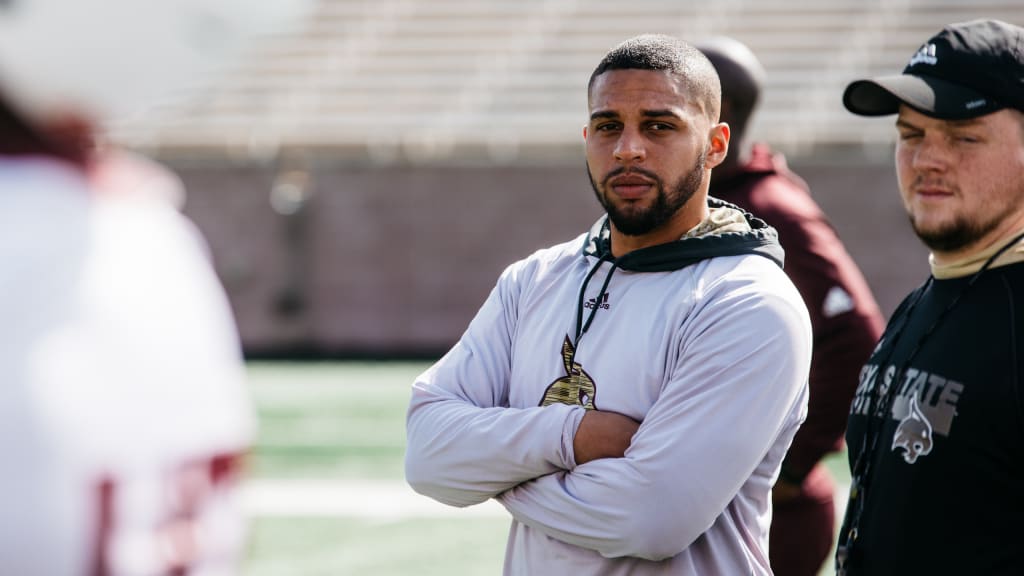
(346, 421)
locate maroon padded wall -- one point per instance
(384, 261)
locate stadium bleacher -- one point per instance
(429, 79)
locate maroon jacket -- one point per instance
(844, 315)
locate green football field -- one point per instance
(325, 490)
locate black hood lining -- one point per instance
(762, 240)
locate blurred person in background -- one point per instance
(122, 405)
(628, 395)
(936, 429)
(844, 315)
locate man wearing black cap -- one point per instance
(936, 429)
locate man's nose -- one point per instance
(932, 153)
(630, 148)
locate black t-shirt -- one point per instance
(945, 493)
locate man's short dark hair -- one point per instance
(663, 53)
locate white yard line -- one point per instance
(381, 500)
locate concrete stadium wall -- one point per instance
(386, 261)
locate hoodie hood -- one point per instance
(760, 239)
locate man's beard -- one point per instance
(956, 235)
(633, 221)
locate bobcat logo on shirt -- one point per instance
(914, 434)
(576, 387)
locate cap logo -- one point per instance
(975, 104)
(926, 55)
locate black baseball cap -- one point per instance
(969, 69)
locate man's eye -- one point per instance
(660, 126)
(909, 135)
(606, 127)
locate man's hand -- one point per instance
(603, 435)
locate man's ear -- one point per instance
(585, 132)
(718, 145)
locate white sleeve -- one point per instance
(465, 444)
(140, 401)
(741, 374)
(171, 339)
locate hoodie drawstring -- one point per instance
(581, 326)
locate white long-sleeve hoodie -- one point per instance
(704, 340)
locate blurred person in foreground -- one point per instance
(629, 395)
(844, 315)
(936, 430)
(123, 407)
